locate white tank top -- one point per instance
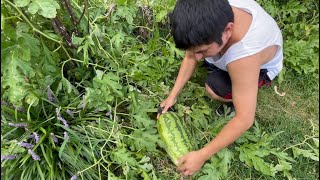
(263, 32)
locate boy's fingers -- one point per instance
(181, 168)
(187, 173)
(181, 161)
(165, 109)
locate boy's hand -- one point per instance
(191, 163)
(165, 105)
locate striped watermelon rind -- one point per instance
(174, 135)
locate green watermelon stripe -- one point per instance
(170, 124)
(183, 132)
(179, 130)
(182, 142)
(177, 135)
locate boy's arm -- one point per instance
(186, 70)
(244, 75)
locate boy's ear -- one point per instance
(227, 31)
(229, 28)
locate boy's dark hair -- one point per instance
(199, 22)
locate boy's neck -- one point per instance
(241, 25)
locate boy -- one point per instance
(242, 45)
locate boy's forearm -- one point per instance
(186, 70)
(230, 132)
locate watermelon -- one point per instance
(174, 135)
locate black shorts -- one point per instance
(220, 83)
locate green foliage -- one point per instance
(105, 89)
(299, 22)
(253, 154)
(218, 166)
(17, 65)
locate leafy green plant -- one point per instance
(299, 22)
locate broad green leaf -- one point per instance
(145, 176)
(144, 140)
(22, 3)
(98, 99)
(30, 42)
(226, 158)
(13, 81)
(77, 40)
(127, 12)
(46, 8)
(142, 120)
(281, 155)
(305, 153)
(198, 118)
(105, 89)
(249, 154)
(144, 159)
(22, 53)
(99, 74)
(33, 8)
(50, 63)
(32, 99)
(68, 86)
(22, 29)
(111, 81)
(146, 167)
(210, 172)
(282, 166)
(52, 34)
(262, 166)
(123, 156)
(118, 39)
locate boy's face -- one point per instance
(209, 50)
(203, 51)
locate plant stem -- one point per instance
(12, 17)
(43, 34)
(97, 65)
(298, 143)
(90, 166)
